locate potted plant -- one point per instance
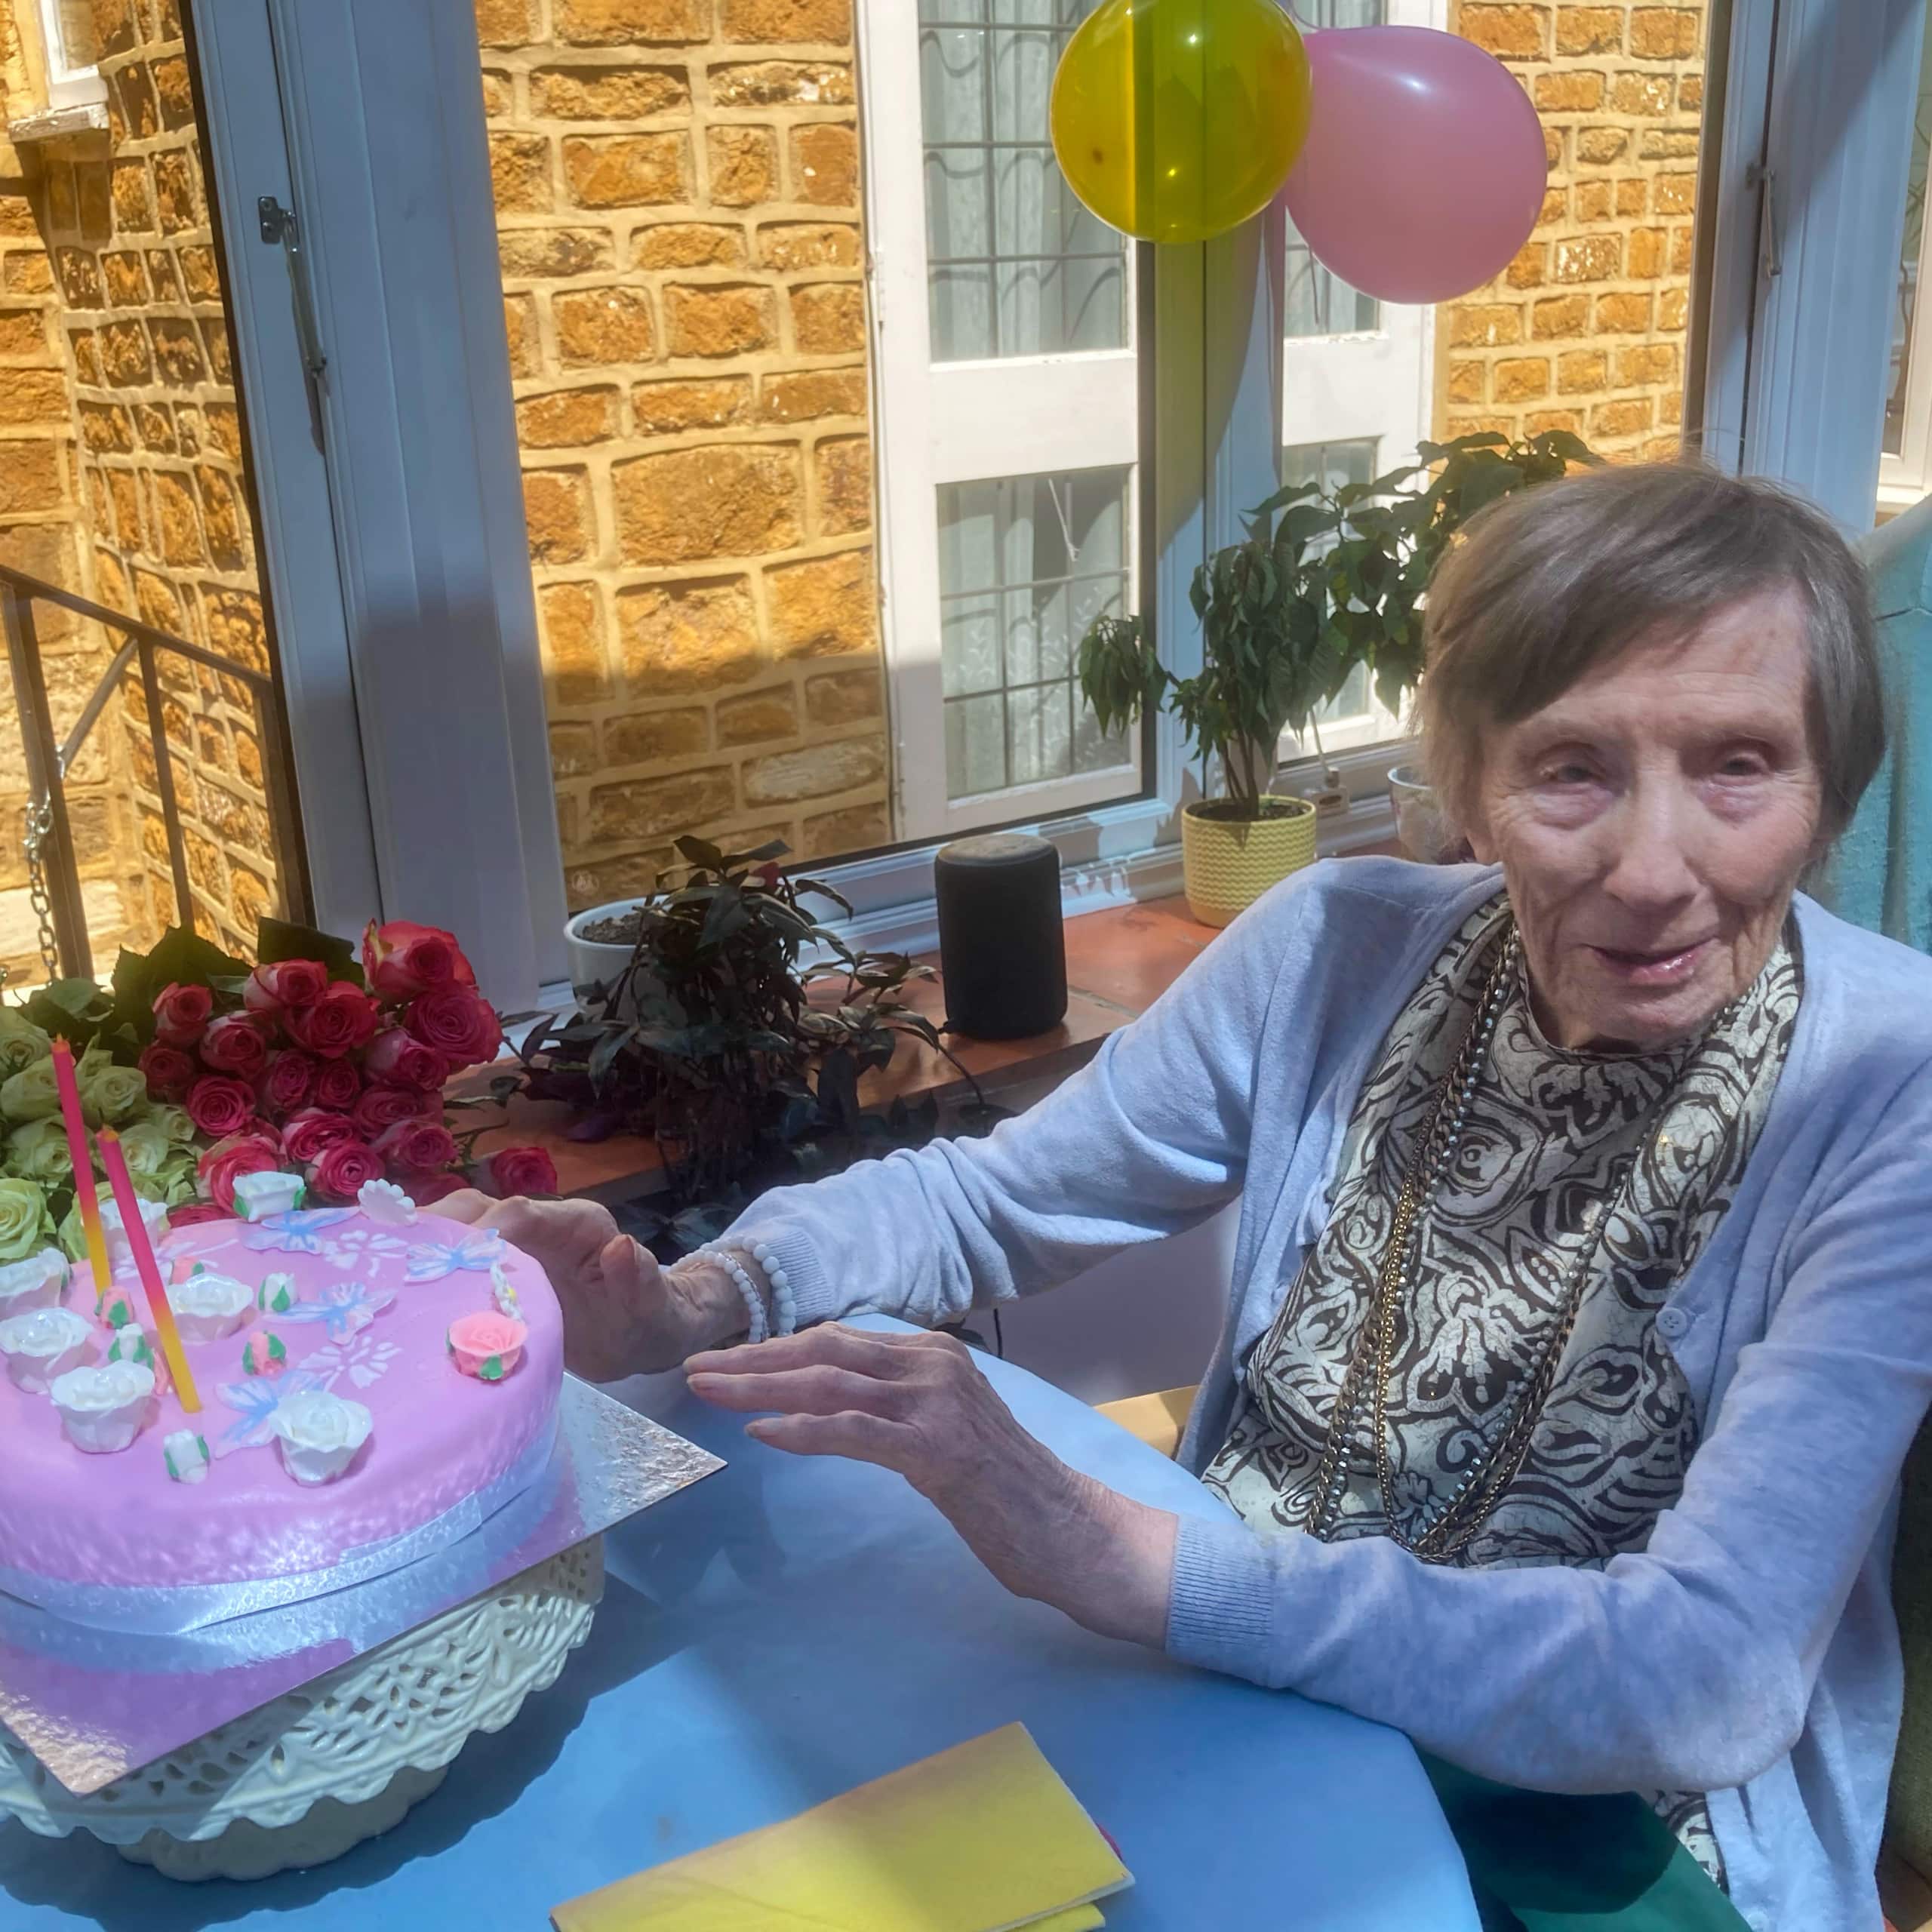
(1286, 616)
(717, 1041)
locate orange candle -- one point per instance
(84, 1193)
(159, 1307)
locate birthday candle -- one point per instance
(159, 1307)
(89, 1202)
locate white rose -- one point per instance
(42, 1331)
(217, 1296)
(314, 1419)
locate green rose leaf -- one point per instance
(21, 1041)
(26, 1227)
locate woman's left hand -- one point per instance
(919, 1404)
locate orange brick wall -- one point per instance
(678, 199)
(1585, 329)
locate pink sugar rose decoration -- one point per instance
(487, 1345)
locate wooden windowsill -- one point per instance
(1119, 962)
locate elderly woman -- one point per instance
(1580, 1319)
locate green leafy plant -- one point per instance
(713, 1041)
(1324, 581)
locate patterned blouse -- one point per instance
(1549, 1137)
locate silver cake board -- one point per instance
(93, 1705)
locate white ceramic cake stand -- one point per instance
(301, 1780)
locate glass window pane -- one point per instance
(1315, 303)
(1048, 554)
(1018, 267)
(1332, 465)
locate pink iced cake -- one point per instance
(374, 1385)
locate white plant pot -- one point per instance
(596, 962)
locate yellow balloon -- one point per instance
(1174, 120)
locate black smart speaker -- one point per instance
(1002, 954)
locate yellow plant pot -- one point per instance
(1227, 863)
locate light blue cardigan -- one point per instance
(1750, 1650)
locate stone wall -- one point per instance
(678, 197)
(42, 532)
(151, 516)
(1585, 329)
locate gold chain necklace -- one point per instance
(1484, 1484)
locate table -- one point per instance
(788, 1627)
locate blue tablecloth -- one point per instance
(790, 1628)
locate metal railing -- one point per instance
(54, 876)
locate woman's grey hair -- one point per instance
(1553, 583)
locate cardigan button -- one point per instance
(1673, 1324)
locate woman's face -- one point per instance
(1652, 824)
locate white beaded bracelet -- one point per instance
(746, 1286)
(784, 1310)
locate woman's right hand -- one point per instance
(623, 1315)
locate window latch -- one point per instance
(278, 228)
(1771, 238)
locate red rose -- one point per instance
(417, 1146)
(344, 1168)
(288, 983)
(460, 1024)
(287, 1084)
(398, 1057)
(342, 1018)
(219, 1105)
(426, 1189)
(189, 1212)
(402, 959)
(227, 1160)
(171, 1073)
(381, 1107)
(522, 1170)
(337, 1085)
(305, 1136)
(234, 1045)
(180, 1012)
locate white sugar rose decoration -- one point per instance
(319, 1433)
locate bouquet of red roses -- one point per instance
(296, 1068)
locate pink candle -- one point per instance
(84, 1193)
(136, 1229)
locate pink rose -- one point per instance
(344, 1168)
(288, 983)
(522, 1170)
(381, 1107)
(460, 1024)
(180, 1012)
(398, 1057)
(234, 1045)
(287, 1084)
(402, 959)
(341, 1019)
(417, 1146)
(305, 1136)
(171, 1073)
(426, 1190)
(337, 1085)
(219, 1105)
(188, 1212)
(227, 1160)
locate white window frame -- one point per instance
(70, 83)
(963, 422)
(1904, 477)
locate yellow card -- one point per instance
(983, 1837)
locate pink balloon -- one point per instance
(1425, 166)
